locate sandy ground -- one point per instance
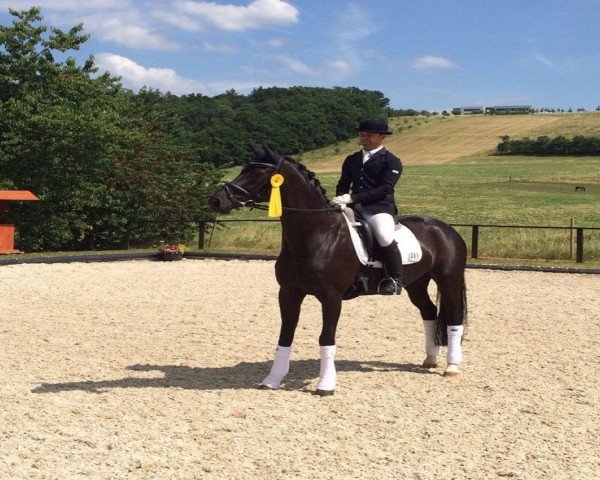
(147, 370)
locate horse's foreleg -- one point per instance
(289, 306)
(417, 292)
(332, 307)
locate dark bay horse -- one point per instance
(318, 258)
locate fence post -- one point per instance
(201, 231)
(579, 253)
(474, 241)
(571, 239)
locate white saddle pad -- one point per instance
(409, 246)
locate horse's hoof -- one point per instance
(430, 362)
(324, 393)
(264, 386)
(451, 370)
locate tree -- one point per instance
(105, 163)
(58, 128)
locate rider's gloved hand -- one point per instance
(342, 200)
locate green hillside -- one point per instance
(438, 140)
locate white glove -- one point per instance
(342, 200)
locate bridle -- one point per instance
(231, 189)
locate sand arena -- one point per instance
(147, 370)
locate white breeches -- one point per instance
(383, 226)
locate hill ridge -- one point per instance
(437, 140)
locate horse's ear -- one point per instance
(271, 154)
(256, 151)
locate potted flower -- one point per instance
(169, 252)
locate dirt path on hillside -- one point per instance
(147, 370)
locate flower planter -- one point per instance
(170, 256)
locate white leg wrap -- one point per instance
(430, 327)
(454, 348)
(280, 368)
(327, 375)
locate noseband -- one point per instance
(231, 189)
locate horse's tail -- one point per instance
(444, 315)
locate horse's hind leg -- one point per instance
(289, 304)
(417, 292)
(451, 318)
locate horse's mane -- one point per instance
(308, 175)
(273, 157)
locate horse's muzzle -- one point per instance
(219, 203)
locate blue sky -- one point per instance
(423, 54)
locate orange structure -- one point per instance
(7, 232)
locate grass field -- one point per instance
(453, 176)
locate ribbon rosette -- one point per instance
(275, 207)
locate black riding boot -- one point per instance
(392, 261)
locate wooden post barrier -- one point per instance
(579, 248)
(474, 241)
(201, 233)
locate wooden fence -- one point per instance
(576, 232)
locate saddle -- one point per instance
(367, 248)
(368, 253)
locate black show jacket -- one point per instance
(372, 184)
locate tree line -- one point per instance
(545, 146)
(118, 169)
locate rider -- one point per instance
(371, 175)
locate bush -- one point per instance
(545, 146)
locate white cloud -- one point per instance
(276, 43)
(126, 29)
(219, 47)
(183, 22)
(341, 67)
(429, 62)
(258, 13)
(153, 24)
(543, 60)
(132, 24)
(272, 43)
(136, 76)
(60, 5)
(295, 65)
(354, 25)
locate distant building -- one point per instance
(509, 110)
(497, 110)
(467, 110)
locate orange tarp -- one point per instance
(17, 195)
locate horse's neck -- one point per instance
(296, 192)
(306, 208)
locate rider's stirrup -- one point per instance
(390, 286)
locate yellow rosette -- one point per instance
(275, 207)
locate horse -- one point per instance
(318, 258)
